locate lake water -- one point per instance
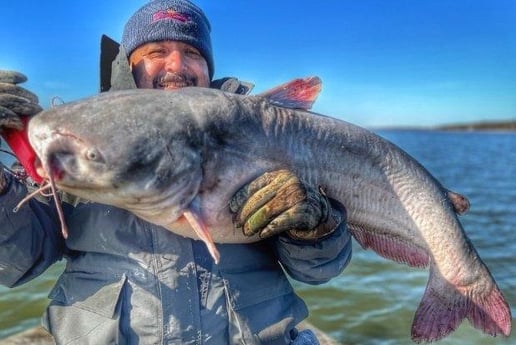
(374, 300)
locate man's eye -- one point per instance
(194, 53)
(157, 53)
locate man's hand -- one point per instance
(278, 202)
(15, 101)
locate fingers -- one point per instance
(12, 89)
(285, 203)
(12, 77)
(9, 119)
(254, 195)
(301, 218)
(19, 105)
(276, 202)
(15, 101)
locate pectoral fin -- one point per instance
(195, 221)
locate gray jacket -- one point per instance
(130, 282)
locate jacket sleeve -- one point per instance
(316, 262)
(30, 239)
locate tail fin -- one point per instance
(443, 307)
(491, 314)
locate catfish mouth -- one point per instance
(57, 159)
(59, 163)
(63, 159)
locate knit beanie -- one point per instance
(176, 20)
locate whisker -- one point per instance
(46, 194)
(57, 201)
(49, 184)
(41, 189)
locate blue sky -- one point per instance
(383, 62)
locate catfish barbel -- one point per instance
(168, 155)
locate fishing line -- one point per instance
(56, 101)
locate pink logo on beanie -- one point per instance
(170, 14)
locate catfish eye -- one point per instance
(92, 154)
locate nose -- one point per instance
(174, 61)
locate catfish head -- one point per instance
(126, 156)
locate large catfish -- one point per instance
(169, 157)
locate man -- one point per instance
(131, 282)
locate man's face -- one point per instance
(168, 65)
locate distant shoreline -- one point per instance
(481, 126)
(505, 126)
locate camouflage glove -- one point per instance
(15, 101)
(278, 202)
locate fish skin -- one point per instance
(200, 146)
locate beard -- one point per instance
(173, 81)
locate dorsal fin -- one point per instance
(299, 93)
